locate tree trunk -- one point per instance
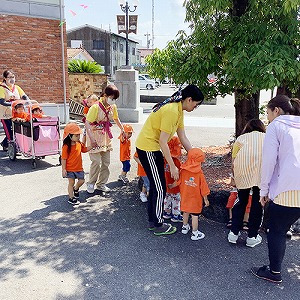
(246, 108)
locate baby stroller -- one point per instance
(36, 138)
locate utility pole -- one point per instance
(152, 24)
(148, 41)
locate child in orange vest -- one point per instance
(36, 112)
(18, 113)
(232, 201)
(172, 199)
(141, 173)
(71, 160)
(193, 191)
(125, 152)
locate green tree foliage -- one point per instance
(250, 45)
(84, 66)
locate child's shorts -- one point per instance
(126, 165)
(74, 175)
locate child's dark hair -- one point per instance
(190, 90)
(67, 141)
(19, 105)
(289, 106)
(254, 125)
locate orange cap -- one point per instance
(35, 105)
(193, 163)
(71, 128)
(127, 128)
(175, 146)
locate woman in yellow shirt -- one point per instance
(98, 132)
(9, 91)
(151, 144)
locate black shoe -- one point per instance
(76, 193)
(165, 229)
(73, 201)
(266, 274)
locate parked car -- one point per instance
(157, 82)
(146, 83)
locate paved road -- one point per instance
(102, 249)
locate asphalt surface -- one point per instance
(102, 249)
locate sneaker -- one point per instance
(232, 238)
(252, 242)
(123, 178)
(165, 229)
(167, 215)
(185, 228)
(90, 188)
(76, 193)
(104, 188)
(73, 201)
(143, 197)
(177, 218)
(265, 273)
(197, 235)
(151, 226)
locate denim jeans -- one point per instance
(280, 221)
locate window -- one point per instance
(133, 51)
(121, 48)
(114, 45)
(98, 44)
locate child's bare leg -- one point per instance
(144, 190)
(79, 183)
(185, 218)
(123, 173)
(195, 222)
(71, 187)
(246, 217)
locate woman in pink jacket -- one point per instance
(280, 179)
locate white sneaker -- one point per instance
(252, 242)
(104, 188)
(143, 197)
(185, 228)
(197, 235)
(90, 188)
(232, 238)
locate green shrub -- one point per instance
(84, 66)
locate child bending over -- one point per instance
(193, 191)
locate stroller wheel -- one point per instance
(12, 151)
(33, 164)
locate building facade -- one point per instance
(108, 49)
(33, 46)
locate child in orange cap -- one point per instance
(172, 199)
(193, 190)
(36, 112)
(125, 152)
(71, 160)
(18, 113)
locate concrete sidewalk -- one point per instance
(102, 249)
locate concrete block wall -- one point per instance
(31, 47)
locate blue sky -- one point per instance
(169, 17)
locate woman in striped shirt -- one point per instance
(247, 158)
(280, 179)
